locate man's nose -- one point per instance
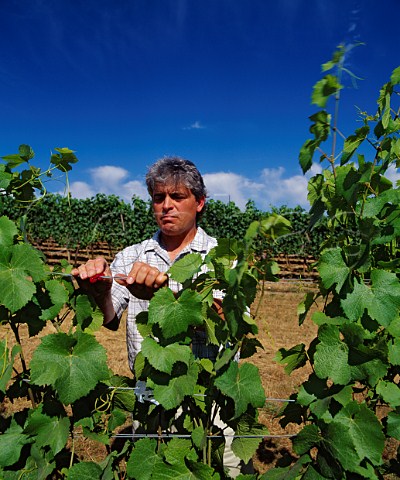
(167, 204)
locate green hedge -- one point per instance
(107, 218)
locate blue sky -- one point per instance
(224, 83)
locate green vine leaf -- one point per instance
(58, 296)
(85, 471)
(176, 315)
(171, 395)
(186, 267)
(243, 385)
(164, 358)
(338, 441)
(48, 431)
(200, 471)
(292, 358)
(332, 268)
(143, 448)
(42, 461)
(364, 430)
(337, 59)
(243, 447)
(83, 312)
(17, 264)
(393, 424)
(274, 226)
(306, 439)
(11, 443)
(395, 77)
(177, 450)
(7, 363)
(177, 472)
(8, 230)
(325, 88)
(347, 186)
(124, 398)
(5, 178)
(381, 299)
(306, 154)
(72, 364)
(353, 142)
(331, 359)
(63, 159)
(390, 393)
(394, 351)
(374, 205)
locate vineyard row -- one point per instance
(291, 266)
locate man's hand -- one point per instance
(143, 280)
(86, 277)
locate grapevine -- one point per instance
(349, 406)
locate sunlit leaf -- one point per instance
(331, 356)
(332, 268)
(390, 393)
(8, 230)
(395, 77)
(186, 267)
(72, 364)
(7, 357)
(175, 315)
(381, 298)
(325, 88)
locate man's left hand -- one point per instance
(144, 280)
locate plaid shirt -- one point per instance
(151, 252)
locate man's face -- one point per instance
(175, 208)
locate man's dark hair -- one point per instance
(176, 170)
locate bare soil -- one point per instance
(276, 315)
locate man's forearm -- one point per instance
(105, 304)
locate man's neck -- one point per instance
(175, 244)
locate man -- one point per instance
(178, 197)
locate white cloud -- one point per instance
(272, 188)
(134, 187)
(110, 180)
(393, 174)
(227, 187)
(108, 177)
(81, 190)
(194, 126)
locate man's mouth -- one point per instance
(168, 218)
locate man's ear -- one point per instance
(200, 204)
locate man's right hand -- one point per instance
(86, 273)
(100, 289)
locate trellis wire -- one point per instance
(203, 395)
(182, 435)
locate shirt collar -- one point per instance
(198, 244)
